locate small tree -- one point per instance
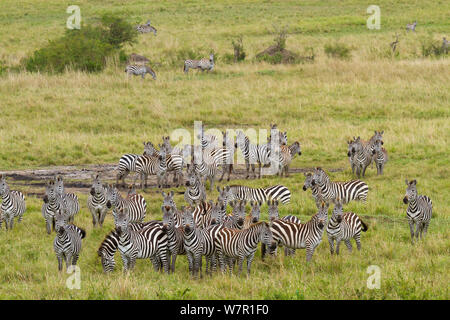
(238, 47)
(280, 37)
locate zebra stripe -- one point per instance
(411, 26)
(277, 192)
(237, 217)
(203, 64)
(287, 153)
(152, 165)
(13, 204)
(96, 201)
(70, 199)
(146, 28)
(419, 210)
(346, 191)
(380, 157)
(127, 164)
(175, 236)
(53, 202)
(135, 205)
(344, 227)
(315, 190)
(140, 70)
(255, 214)
(195, 191)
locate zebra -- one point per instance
(411, 26)
(197, 243)
(242, 244)
(175, 236)
(315, 189)
(347, 191)
(344, 227)
(67, 243)
(203, 64)
(152, 165)
(218, 213)
(273, 212)
(276, 192)
(195, 191)
(139, 70)
(419, 210)
(237, 217)
(169, 202)
(135, 205)
(380, 157)
(110, 245)
(96, 201)
(146, 28)
(175, 161)
(363, 155)
(351, 153)
(70, 199)
(287, 153)
(149, 242)
(300, 236)
(253, 153)
(53, 202)
(255, 213)
(228, 155)
(127, 164)
(13, 204)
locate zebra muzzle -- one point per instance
(405, 200)
(92, 192)
(348, 154)
(119, 230)
(339, 219)
(108, 204)
(45, 198)
(304, 188)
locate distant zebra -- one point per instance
(71, 199)
(175, 161)
(380, 157)
(346, 191)
(287, 153)
(149, 242)
(110, 245)
(96, 201)
(203, 64)
(419, 210)
(197, 243)
(127, 164)
(242, 244)
(53, 202)
(146, 28)
(13, 204)
(277, 192)
(140, 70)
(315, 189)
(195, 191)
(253, 153)
(344, 227)
(228, 155)
(135, 205)
(152, 165)
(254, 215)
(300, 236)
(411, 26)
(67, 243)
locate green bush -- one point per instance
(337, 50)
(2, 68)
(238, 49)
(272, 59)
(85, 49)
(432, 48)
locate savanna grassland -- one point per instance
(78, 119)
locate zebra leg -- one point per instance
(59, 257)
(309, 252)
(240, 264)
(68, 260)
(165, 261)
(223, 172)
(75, 259)
(425, 228)
(331, 242)
(253, 170)
(348, 244)
(411, 230)
(338, 243)
(247, 166)
(259, 169)
(102, 217)
(357, 238)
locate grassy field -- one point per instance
(79, 119)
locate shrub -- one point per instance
(430, 47)
(280, 38)
(85, 49)
(337, 50)
(238, 49)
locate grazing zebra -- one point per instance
(315, 190)
(300, 236)
(53, 202)
(203, 64)
(175, 161)
(411, 26)
(149, 242)
(152, 165)
(96, 201)
(139, 70)
(277, 192)
(347, 191)
(146, 28)
(135, 205)
(197, 243)
(195, 191)
(287, 153)
(127, 164)
(237, 217)
(242, 244)
(67, 243)
(419, 210)
(13, 204)
(110, 245)
(255, 213)
(137, 59)
(344, 227)
(70, 199)
(175, 236)
(380, 157)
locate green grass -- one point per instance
(81, 119)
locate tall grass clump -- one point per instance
(238, 51)
(432, 48)
(85, 49)
(337, 50)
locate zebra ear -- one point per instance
(260, 203)
(414, 182)
(227, 188)
(251, 203)
(382, 132)
(218, 188)
(406, 181)
(171, 193)
(163, 194)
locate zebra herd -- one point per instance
(203, 227)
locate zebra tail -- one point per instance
(364, 226)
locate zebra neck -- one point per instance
(412, 207)
(6, 196)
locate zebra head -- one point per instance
(378, 136)
(167, 219)
(211, 58)
(224, 195)
(238, 211)
(266, 236)
(337, 211)
(377, 147)
(188, 219)
(61, 219)
(149, 149)
(59, 184)
(97, 186)
(255, 211)
(351, 147)
(108, 262)
(168, 199)
(193, 179)
(121, 221)
(218, 212)
(3, 185)
(273, 210)
(50, 191)
(295, 148)
(166, 144)
(322, 215)
(112, 195)
(308, 181)
(411, 191)
(319, 177)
